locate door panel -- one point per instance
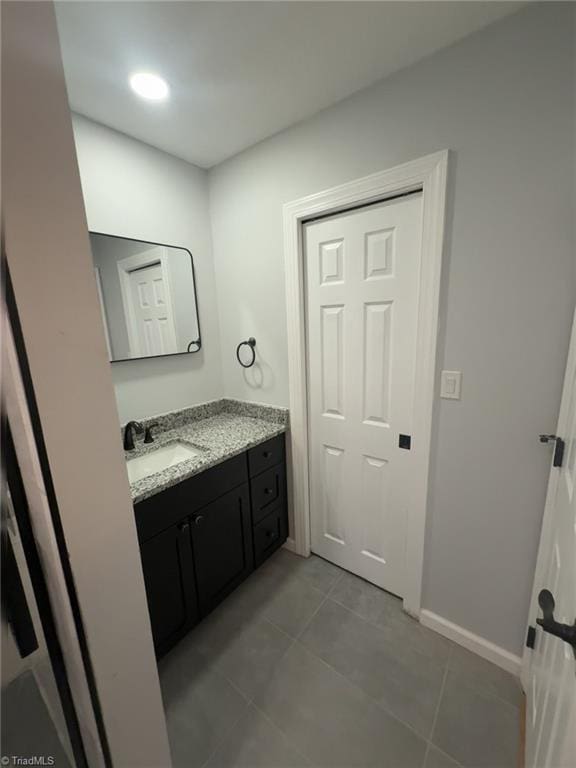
(222, 541)
(152, 312)
(363, 272)
(549, 670)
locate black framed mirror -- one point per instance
(147, 295)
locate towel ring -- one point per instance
(250, 343)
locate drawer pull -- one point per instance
(271, 535)
(266, 454)
(268, 491)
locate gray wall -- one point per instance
(502, 101)
(136, 191)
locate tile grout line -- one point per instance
(292, 638)
(359, 689)
(281, 732)
(440, 695)
(297, 640)
(472, 683)
(216, 671)
(250, 701)
(221, 741)
(325, 596)
(391, 628)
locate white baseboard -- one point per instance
(290, 545)
(472, 642)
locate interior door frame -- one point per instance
(131, 264)
(428, 174)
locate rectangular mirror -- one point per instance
(147, 296)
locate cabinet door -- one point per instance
(222, 542)
(170, 585)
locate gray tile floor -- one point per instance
(307, 665)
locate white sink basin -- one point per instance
(160, 459)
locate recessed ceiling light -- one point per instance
(149, 86)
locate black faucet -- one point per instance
(129, 429)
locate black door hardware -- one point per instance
(531, 637)
(558, 448)
(404, 441)
(566, 632)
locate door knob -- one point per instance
(566, 632)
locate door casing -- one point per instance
(428, 174)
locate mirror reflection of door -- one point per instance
(146, 293)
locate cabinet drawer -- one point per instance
(266, 455)
(269, 534)
(267, 491)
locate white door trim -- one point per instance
(429, 174)
(125, 267)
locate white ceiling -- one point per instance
(242, 71)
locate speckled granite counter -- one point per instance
(220, 428)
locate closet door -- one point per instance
(363, 272)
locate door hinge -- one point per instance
(531, 637)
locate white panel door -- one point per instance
(549, 671)
(152, 311)
(362, 272)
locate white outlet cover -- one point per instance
(451, 385)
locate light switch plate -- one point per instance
(451, 385)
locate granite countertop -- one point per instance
(221, 429)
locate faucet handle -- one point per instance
(148, 434)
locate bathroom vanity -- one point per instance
(206, 523)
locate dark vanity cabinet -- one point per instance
(170, 584)
(267, 470)
(222, 545)
(201, 538)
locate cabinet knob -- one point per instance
(266, 454)
(267, 491)
(199, 520)
(183, 526)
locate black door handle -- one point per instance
(566, 632)
(558, 448)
